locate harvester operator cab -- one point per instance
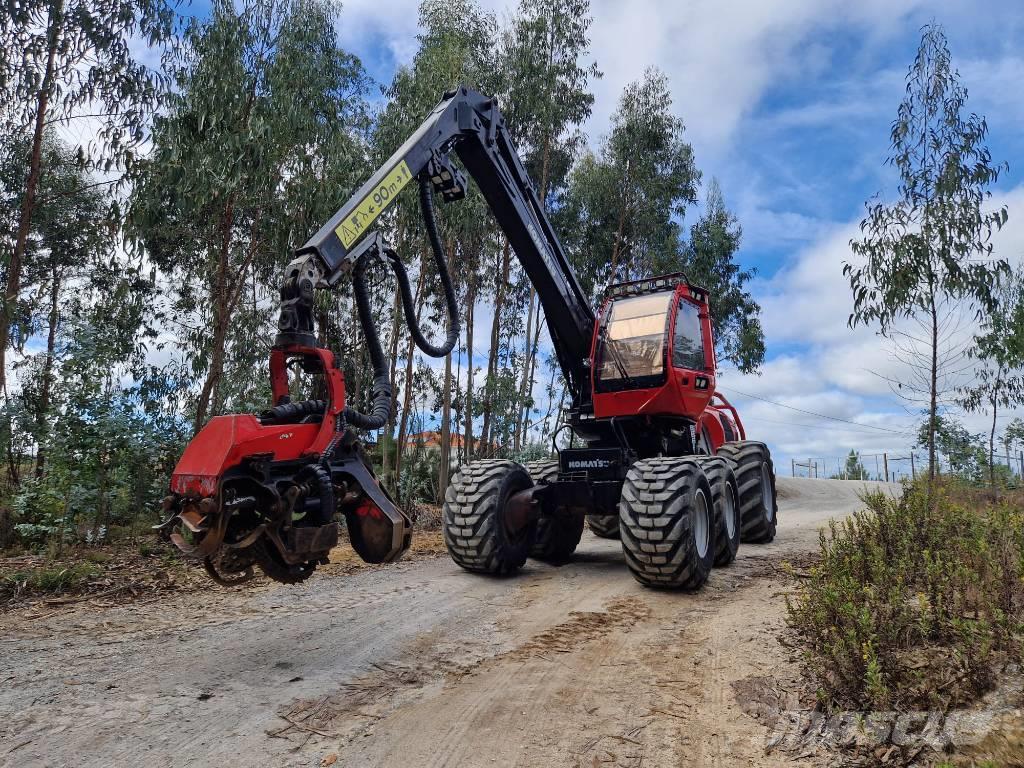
(653, 351)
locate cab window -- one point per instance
(688, 344)
(633, 339)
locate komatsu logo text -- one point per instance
(589, 464)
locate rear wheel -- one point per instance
(474, 524)
(755, 478)
(604, 526)
(666, 514)
(722, 479)
(557, 536)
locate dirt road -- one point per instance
(417, 664)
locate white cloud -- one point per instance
(833, 370)
(722, 57)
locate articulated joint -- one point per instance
(295, 324)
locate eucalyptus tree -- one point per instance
(73, 247)
(999, 349)
(268, 120)
(931, 245)
(628, 200)
(455, 45)
(544, 81)
(709, 260)
(1013, 435)
(65, 62)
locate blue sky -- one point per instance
(789, 105)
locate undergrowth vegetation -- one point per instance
(917, 602)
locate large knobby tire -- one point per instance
(665, 517)
(725, 492)
(557, 536)
(604, 526)
(755, 476)
(472, 519)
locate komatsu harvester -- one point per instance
(659, 458)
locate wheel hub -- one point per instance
(730, 511)
(701, 524)
(766, 491)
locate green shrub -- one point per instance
(48, 579)
(916, 601)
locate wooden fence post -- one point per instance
(885, 463)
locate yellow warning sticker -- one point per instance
(353, 226)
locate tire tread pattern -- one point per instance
(719, 472)
(557, 538)
(656, 526)
(471, 522)
(747, 456)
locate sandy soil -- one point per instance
(418, 664)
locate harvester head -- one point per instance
(267, 489)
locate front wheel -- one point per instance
(755, 477)
(473, 517)
(666, 517)
(718, 470)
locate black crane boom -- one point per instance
(471, 125)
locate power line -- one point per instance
(808, 426)
(813, 413)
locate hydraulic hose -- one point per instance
(380, 408)
(427, 206)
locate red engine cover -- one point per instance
(226, 440)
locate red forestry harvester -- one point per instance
(659, 458)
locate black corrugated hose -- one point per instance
(440, 260)
(380, 409)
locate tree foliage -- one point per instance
(932, 242)
(628, 199)
(999, 349)
(709, 260)
(234, 181)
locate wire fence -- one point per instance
(893, 467)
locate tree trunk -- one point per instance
(992, 435)
(12, 286)
(468, 400)
(933, 406)
(492, 356)
(221, 300)
(521, 405)
(531, 365)
(410, 351)
(355, 392)
(446, 430)
(389, 429)
(43, 412)
(102, 512)
(620, 227)
(533, 334)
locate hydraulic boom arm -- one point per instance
(470, 124)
